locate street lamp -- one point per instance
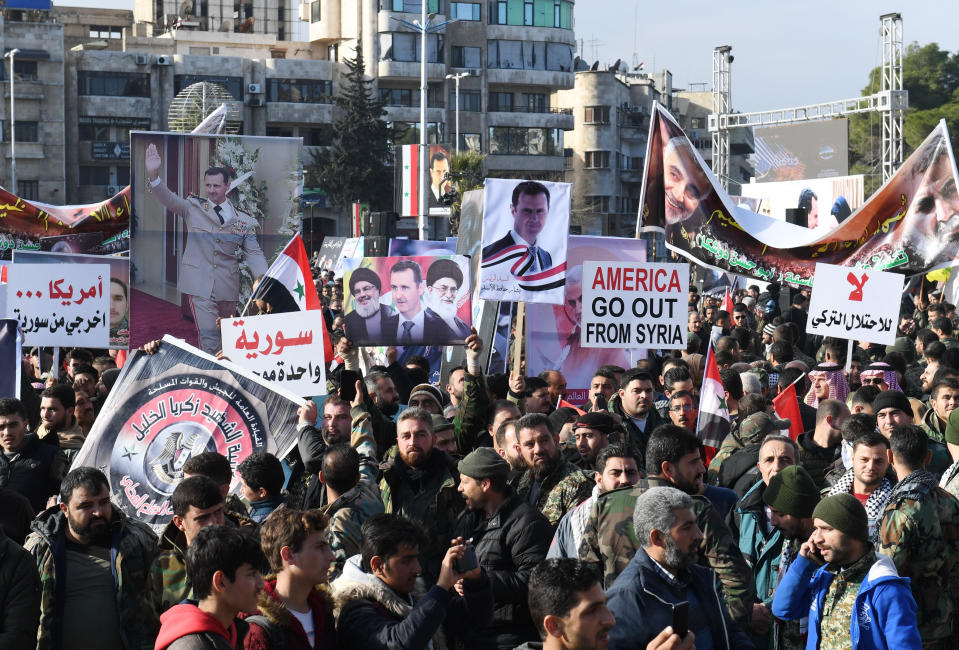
(456, 80)
(13, 125)
(424, 26)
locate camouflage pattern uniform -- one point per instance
(470, 419)
(168, 577)
(610, 540)
(748, 434)
(920, 532)
(839, 603)
(347, 515)
(559, 492)
(428, 497)
(132, 548)
(950, 480)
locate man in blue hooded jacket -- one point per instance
(853, 597)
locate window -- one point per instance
(399, 46)
(26, 131)
(105, 31)
(597, 160)
(529, 55)
(535, 102)
(465, 11)
(23, 70)
(412, 6)
(122, 175)
(469, 100)
(471, 142)
(597, 114)
(115, 84)
(317, 136)
(234, 85)
(501, 102)
(315, 12)
(90, 175)
(410, 97)
(279, 131)
(525, 141)
(29, 190)
(596, 203)
(94, 133)
(465, 57)
(535, 13)
(301, 91)
(409, 132)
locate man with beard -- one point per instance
(673, 459)
(81, 547)
(368, 322)
(684, 183)
(83, 411)
(591, 434)
(58, 426)
(683, 409)
(510, 538)
(550, 484)
(935, 206)
(852, 596)
(420, 482)
(443, 281)
(920, 533)
(663, 573)
(867, 479)
(827, 381)
(943, 400)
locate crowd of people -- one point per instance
(487, 512)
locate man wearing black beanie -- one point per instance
(846, 589)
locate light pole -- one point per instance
(456, 80)
(424, 26)
(13, 125)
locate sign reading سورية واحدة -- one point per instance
(856, 304)
(634, 305)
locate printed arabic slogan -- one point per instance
(24, 223)
(855, 304)
(60, 304)
(170, 406)
(283, 348)
(909, 226)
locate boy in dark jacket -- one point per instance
(381, 603)
(224, 568)
(294, 614)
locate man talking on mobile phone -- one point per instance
(853, 596)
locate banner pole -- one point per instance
(56, 363)
(849, 357)
(518, 338)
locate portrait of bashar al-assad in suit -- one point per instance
(443, 281)
(370, 320)
(529, 208)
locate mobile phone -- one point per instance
(468, 562)
(680, 622)
(600, 401)
(348, 381)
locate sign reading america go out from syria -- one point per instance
(634, 305)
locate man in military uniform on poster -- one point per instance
(209, 269)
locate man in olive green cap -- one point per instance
(510, 537)
(854, 598)
(790, 497)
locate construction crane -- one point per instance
(891, 101)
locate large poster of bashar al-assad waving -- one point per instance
(525, 228)
(210, 215)
(407, 300)
(909, 226)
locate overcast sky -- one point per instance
(786, 53)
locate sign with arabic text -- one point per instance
(634, 305)
(166, 408)
(851, 303)
(283, 348)
(64, 305)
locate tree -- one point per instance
(358, 165)
(466, 173)
(931, 76)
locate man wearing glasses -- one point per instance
(683, 410)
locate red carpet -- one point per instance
(151, 318)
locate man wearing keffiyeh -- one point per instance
(867, 479)
(872, 373)
(827, 381)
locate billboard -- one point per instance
(408, 185)
(828, 201)
(801, 151)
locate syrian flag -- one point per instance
(787, 407)
(727, 305)
(288, 286)
(713, 423)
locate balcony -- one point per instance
(409, 70)
(554, 79)
(553, 118)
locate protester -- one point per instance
(591, 433)
(820, 447)
(261, 483)
(867, 479)
(81, 547)
(27, 466)
(664, 572)
(19, 596)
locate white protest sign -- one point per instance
(855, 304)
(634, 305)
(285, 348)
(66, 305)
